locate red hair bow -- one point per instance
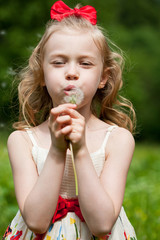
(67, 205)
(60, 10)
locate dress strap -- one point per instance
(30, 134)
(109, 130)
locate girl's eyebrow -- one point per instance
(60, 55)
(57, 55)
(87, 56)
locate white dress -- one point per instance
(70, 227)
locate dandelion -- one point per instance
(74, 96)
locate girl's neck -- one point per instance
(92, 122)
(86, 113)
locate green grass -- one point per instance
(8, 205)
(142, 196)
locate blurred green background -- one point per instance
(135, 27)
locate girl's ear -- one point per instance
(104, 78)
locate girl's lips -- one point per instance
(68, 89)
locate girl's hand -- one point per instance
(77, 135)
(60, 126)
(66, 123)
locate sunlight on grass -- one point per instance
(142, 195)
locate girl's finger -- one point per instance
(63, 119)
(66, 130)
(63, 108)
(61, 122)
(75, 114)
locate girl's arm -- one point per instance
(101, 198)
(37, 195)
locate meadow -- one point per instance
(142, 195)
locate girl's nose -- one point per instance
(72, 73)
(72, 76)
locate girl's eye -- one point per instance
(87, 64)
(58, 63)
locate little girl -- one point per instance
(72, 54)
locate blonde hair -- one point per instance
(34, 101)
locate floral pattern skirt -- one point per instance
(69, 228)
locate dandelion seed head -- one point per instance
(74, 96)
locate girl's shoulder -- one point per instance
(18, 138)
(119, 138)
(121, 141)
(19, 150)
(23, 136)
(17, 135)
(120, 134)
(100, 133)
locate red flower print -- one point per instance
(108, 235)
(7, 233)
(125, 235)
(17, 235)
(39, 236)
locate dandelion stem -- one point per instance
(74, 169)
(76, 97)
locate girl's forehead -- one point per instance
(72, 40)
(65, 35)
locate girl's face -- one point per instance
(72, 59)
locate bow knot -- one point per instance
(67, 205)
(60, 10)
(76, 12)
